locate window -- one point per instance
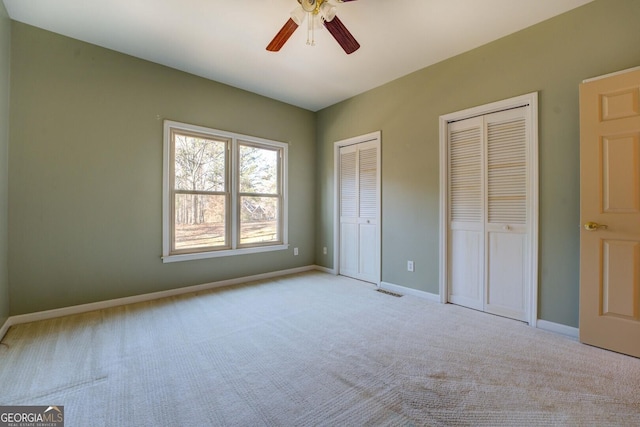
(224, 193)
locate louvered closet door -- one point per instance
(487, 234)
(348, 211)
(506, 219)
(466, 223)
(359, 200)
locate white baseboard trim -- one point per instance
(558, 328)
(5, 328)
(410, 291)
(83, 308)
(326, 270)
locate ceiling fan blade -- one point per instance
(283, 35)
(342, 35)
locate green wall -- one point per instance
(85, 185)
(552, 57)
(5, 57)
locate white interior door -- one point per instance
(489, 260)
(359, 208)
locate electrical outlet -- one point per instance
(409, 265)
(295, 251)
(324, 250)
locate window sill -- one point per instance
(218, 254)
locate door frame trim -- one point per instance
(616, 73)
(530, 99)
(373, 136)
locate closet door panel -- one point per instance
(506, 189)
(368, 264)
(505, 291)
(466, 208)
(467, 281)
(368, 211)
(348, 211)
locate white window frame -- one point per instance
(233, 208)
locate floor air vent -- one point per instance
(384, 291)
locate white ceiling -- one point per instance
(225, 40)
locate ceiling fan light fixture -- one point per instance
(328, 11)
(298, 14)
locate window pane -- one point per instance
(199, 163)
(259, 219)
(200, 221)
(258, 170)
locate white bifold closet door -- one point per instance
(359, 240)
(487, 233)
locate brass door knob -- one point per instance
(593, 226)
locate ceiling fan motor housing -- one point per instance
(312, 6)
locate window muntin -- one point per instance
(224, 193)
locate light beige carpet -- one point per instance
(311, 349)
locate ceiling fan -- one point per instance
(318, 13)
